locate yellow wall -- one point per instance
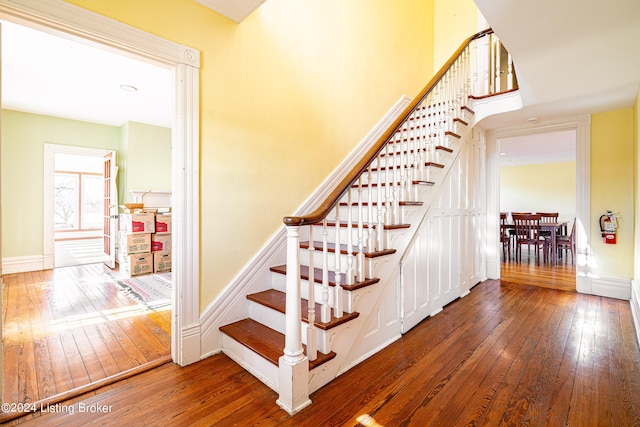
(455, 20)
(549, 187)
(612, 188)
(286, 95)
(636, 190)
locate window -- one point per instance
(78, 201)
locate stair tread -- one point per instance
(265, 341)
(331, 247)
(398, 184)
(386, 227)
(427, 164)
(404, 203)
(317, 276)
(276, 300)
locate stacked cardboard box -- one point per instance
(161, 243)
(135, 242)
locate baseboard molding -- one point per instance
(23, 264)
(635, 308)
(230, 304)
(611, 287)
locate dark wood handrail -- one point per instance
(330, 202)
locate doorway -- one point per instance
(77, 204)
(580, 127)
(184, 62)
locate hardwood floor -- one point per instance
(70, 327)
(506, 354)
(561, 276)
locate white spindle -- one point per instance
(350, 275)
(325, 311)
(360, 259)
(381, 201)
(312, 348)
(337, 296)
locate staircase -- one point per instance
(335, 300)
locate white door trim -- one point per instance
(582, 126)
(50, 151)
(72, 21)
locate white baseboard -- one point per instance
(635, 308)
(23, 264)
(611, 287)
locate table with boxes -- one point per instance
(144, 243)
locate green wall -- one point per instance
(23, 139)
(22, 166)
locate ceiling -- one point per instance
(51, 75)
(572, 57)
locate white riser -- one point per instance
(277, 321)
(257, 365)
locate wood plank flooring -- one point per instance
(70, 327)
(561, 276)
(506, 354)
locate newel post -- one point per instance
(293, 365)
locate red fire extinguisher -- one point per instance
(609, 227)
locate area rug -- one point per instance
(152, 290)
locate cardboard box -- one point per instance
(143, 222)
(136, 265)
(131, 244)
(161, 262)
(161, 242)
(163, 223)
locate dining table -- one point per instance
(553, 228)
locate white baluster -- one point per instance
(371, 241)
(350, 275)
(337, 297)
(360, 259)
(381, 203)
(325, 310)
(312, 347)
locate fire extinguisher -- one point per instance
(609, 227)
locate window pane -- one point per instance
(66, 201)
(92, 200)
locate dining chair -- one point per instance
(547, 217)
(568, 243)
(505, 237)
(527, 229)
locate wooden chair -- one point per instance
(568, 243)
(547, 217)
(505, 237)
(528, 233)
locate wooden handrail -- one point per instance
(330, 202)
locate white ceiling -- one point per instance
(50, 75)
(236, 10)
(572, 57)
(538, 148)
